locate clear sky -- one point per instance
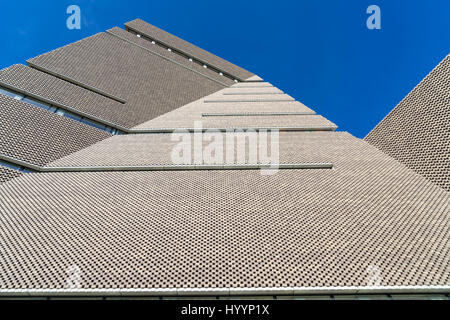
(318, 51)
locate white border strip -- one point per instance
(272, 291)
(190, 167)
(252, 114)
(252, 85)
(249, 93)
(170, 130)
(34, 167)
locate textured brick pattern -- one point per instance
(170, 40)
(417, 131)
(244, 122)
(185, 116)
(170, 55)
(38, 136)
(228, 228)
(214, 228)
(8, 174)
(156, 149)
(149, 84)
(44, 85)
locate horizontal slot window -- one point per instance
(11, 94)
(191, 59)
(70, 115)
(39, 104)
(93, 124)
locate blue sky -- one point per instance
(320, 52)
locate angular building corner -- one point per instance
(417, 131)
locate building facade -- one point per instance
(98, 200)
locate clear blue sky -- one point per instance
(320, 51)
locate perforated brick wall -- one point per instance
(208, 229)
(153, 32)
(417, 131)
(65, 93)
(35, 135)
(370, 220)
(170, 55)
(156, 149)
(186, 116)
(149, 84)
